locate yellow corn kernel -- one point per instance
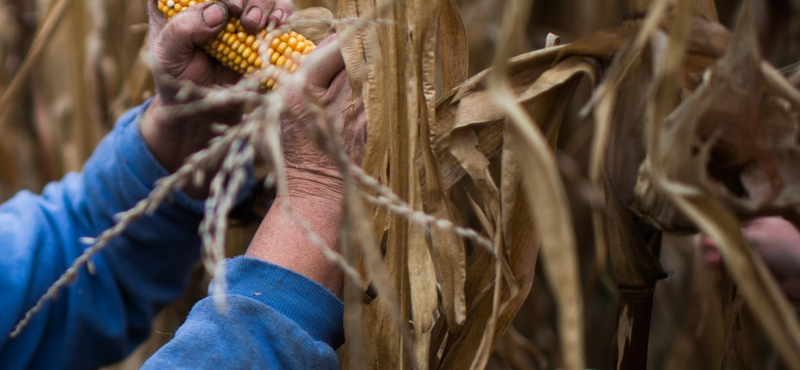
(240, 51)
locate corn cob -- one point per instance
(239, 50)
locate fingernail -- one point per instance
(255, 14)
(237, 3)
(213, 15)
(278, 13)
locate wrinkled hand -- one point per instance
(777, 241)
(176, 47)
(312, 174)
(315, 185)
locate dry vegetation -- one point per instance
(651, 122)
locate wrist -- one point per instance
(168, 139)
(312, 186)
(173, 136)
(282, 241)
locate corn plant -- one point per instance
(464, 182)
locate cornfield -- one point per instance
(533, 175)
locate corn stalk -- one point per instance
(434, 281)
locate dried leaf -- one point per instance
(673, 168)
(453, 38)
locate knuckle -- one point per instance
(235, 7)
(285, 6)
(176, 31)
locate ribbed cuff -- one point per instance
(310, 305)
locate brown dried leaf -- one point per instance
(378, 77)
(453, 38)
(470, 107)
(420, 69)
(672, 168)
(313, 23)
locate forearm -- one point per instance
(100, 317)
(279, 309)
(282, 241)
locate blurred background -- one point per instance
(90, 71)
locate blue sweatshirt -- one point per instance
(274, 318)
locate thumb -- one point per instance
(322, 72)
(194, 26)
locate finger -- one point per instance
(328, 40)
(280, 13)
(338, 89)
(709, 249)
(254, 15)
(340, 83)
(235, 7)
(156, 17)
(324, 63)
(194, 26)
(257, 14)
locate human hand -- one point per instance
(314, 183)
(777, 241)
(312, 174)
(176, 47)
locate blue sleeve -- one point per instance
(105, 313)
(273, 318)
